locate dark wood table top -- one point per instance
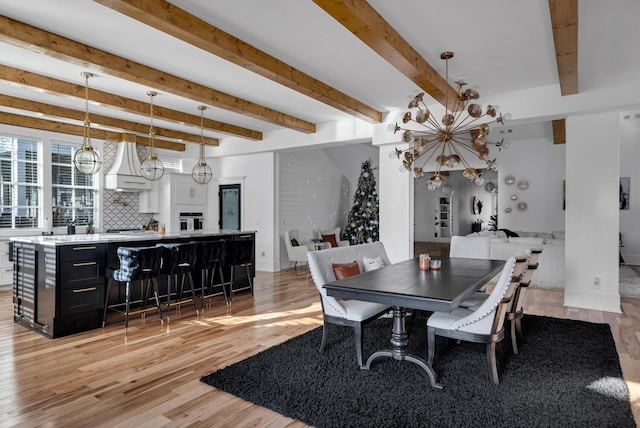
(405, 285)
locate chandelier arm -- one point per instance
(454, 147)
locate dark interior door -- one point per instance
(229, 203)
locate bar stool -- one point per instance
(209, 258)
(178, 260)
(136, 264)
(239, 253)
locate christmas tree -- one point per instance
(362, 223)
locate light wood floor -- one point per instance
(151, 376)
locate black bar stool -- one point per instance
(239, 253)
(210, 257)
(178, 260)
(136, 264)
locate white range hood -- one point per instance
(125, 175)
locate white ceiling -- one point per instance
(500, 45)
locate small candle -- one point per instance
(424, 261)
(435, 264)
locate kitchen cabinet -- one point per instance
(185, 191)
(150, 200)
(59, 290)
(59, 285)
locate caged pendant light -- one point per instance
(152, 168)
(87, 159)
(202, 173)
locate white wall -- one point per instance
(629, 156)
(313, 195)
(256, 174)
(542, 164)
(592, 214)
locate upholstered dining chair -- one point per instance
(483, 325)
(350, 313)
(470, 247)
(296, 253)
(515, 313)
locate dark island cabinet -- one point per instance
(59, 290)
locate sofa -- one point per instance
(551, 270)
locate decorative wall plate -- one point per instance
(522, 206)
(507, 210)
(514, 197)
(509, 179)
(523, 185)
(490, 187)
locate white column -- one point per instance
(396, 206)
(592, 211)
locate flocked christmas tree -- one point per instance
(362, 223)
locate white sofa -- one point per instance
(551, 270)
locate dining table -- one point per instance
(405, 286)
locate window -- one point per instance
(20, 188)
(73, 194)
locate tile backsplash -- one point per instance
(120, 208)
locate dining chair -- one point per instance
(515, 312)
(350, 313)
(483, 325)
(470, 247)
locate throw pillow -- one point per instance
(331, 239)
(509, 233)
(345, 270)
(370, 264)
(294, 243)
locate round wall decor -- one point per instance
(522, 206)
(514, 197)
(523, 185)
(490, 187)
(509, 179)
(507, 210)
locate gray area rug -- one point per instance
(566, 375)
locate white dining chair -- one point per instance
(483, 325)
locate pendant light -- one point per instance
(202, 173)
(152, 168)
(87, 159)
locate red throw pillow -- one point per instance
(345, 270)
(330, 239)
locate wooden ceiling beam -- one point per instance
(559, 131)
(564, 22)
(67, 128)
(190, 29)
(97, 119)
(367, 24)
(60, 87)
(37, 40)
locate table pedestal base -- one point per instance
(399, 341)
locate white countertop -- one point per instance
(97, 238)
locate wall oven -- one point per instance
(191, 221)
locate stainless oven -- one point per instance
(191, 221)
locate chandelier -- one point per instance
(152, 168)
(202, 173)
(463, 129)
(86, 159)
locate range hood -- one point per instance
(125, 175)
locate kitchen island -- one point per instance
(59, 284)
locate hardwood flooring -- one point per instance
(150, 377)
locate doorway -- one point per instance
(229, 203)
